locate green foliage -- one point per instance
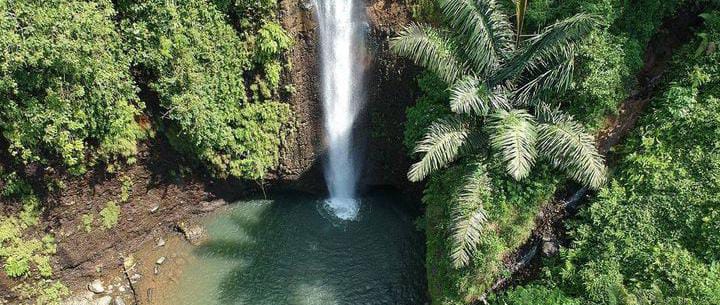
(498, 94)
(250, 14)
(606, 74)
(652, 236)
(510, 207)
(492, 76)
(200, 78)
(606, 64)
(44, 292)
(430, 107)
(533, 295)
(87, 222)
(271, 42)
(68, 97)
(125, 188)
(425, 10)
(110, 215)
(608, 61)
(20, 253)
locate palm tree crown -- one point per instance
(498, 88)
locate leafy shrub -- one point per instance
(511, 209)
(606, 73)
(607, 65)
(87, 222)
(125, 188)
(609, 61)
(20, 253)
(271, 42)
(533, 295)
(431, 106)
(200, 80)
(250, 14)
(653, 235)
(69, 99)
(110, 215)
(42, 292)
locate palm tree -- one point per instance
(499, 91)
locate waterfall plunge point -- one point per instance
(341, 37)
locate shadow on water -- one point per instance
(286, 252)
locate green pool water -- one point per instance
(292, 250)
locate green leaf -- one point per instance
(513, 136)
(441, 145)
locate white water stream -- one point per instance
(341, 39)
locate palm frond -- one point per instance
(429, 48)
(554, 38)
(551, 73)
(468, 226)
(486, 33)
(469, 95)
(571, 149)
(513, 136)
(441, 145)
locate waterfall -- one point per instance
(341, 38)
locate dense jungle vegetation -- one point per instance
(645, 238)
(83, 82)
(513, 94)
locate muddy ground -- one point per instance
(160, 199)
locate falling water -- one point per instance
(340, 26)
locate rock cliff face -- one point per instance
(390, 89)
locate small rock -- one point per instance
(157, 270)
(129, 263)
(135, 277)
(149, 295)
(119, 301)
(106, 300)
(549, 248)
(121, 288)
(160, 260)
(161, 242)
(96, 286)
(194, 233)
(154, 208)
